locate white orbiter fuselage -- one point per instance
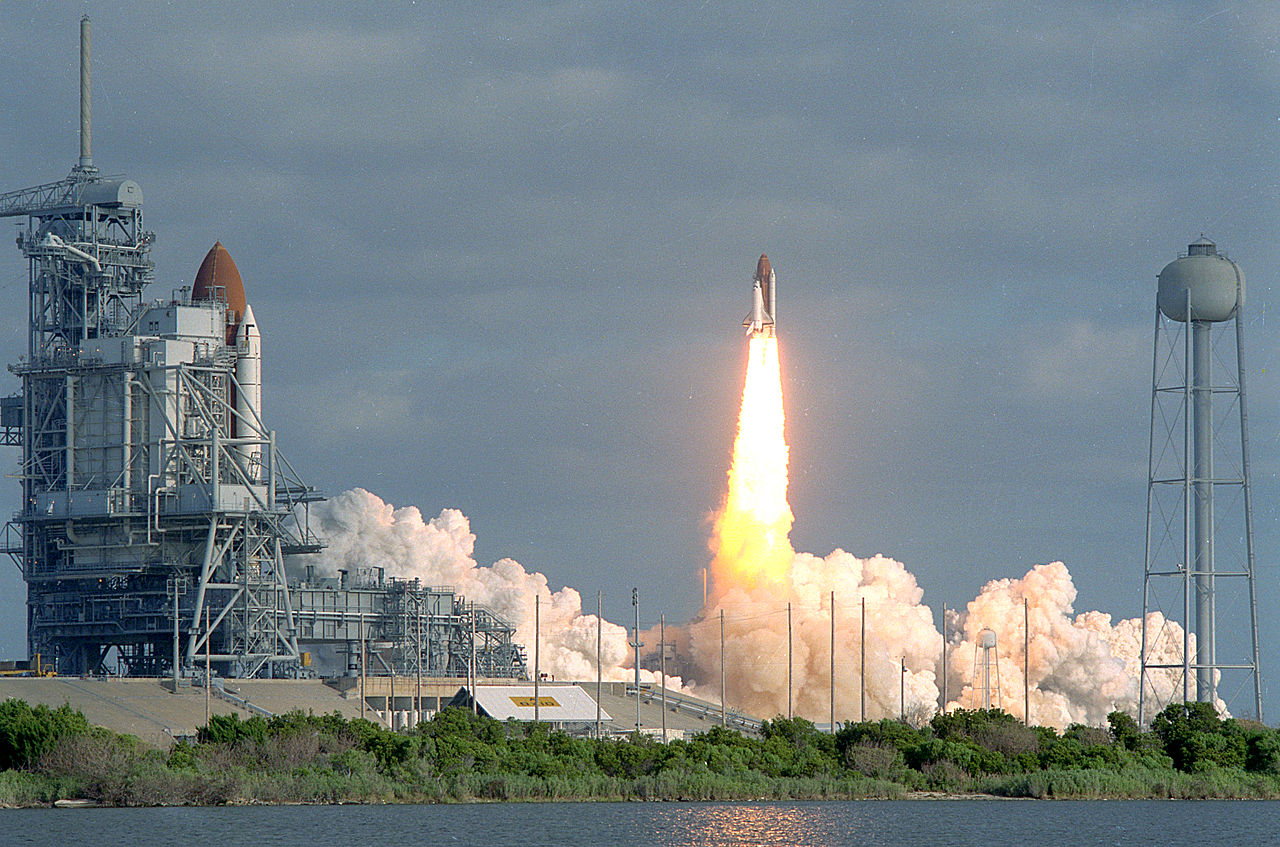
(764, 300)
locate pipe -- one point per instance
(126, 439)
(71, 437)
(1202, 486)
(86, 156)
(51, 240)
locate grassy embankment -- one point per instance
(50, 754)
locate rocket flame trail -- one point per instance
(749, 542)
(1080, 668)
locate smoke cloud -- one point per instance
(1081, 667)
(363, 531)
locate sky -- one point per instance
(500, 254)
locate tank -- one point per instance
(111, 193)
(1215, 283)
(219, 279)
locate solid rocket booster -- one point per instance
(764, 300)
(249, 380)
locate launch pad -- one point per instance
(157, 512)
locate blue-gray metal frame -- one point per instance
(1189, 378)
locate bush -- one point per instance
(886, 732)
(1197, 740)
(1263, 752)
(1124, 730)
(27, 733)
(874, 760)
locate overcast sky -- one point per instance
(500, 253)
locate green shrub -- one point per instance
(27, 733)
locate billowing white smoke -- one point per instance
(1081, 667)
(363, 531)
(899, 627)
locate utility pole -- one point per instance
(662, 664)
(1026, 664)
(174, 581)
(635, 602)
(902, 690)
(862, 672)
(417, 691)
(942, 707)
(537, 670)
(475, 705)
(208, 677)
(788, 661)
(832, 687)
(722, 709)
(364, 660)
(599, 671)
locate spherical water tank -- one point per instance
(1214, 283)
(987, 639)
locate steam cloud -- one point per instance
(363, 531)
(1081, 666)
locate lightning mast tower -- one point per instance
(150, 488)
(1199, 512)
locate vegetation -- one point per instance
(1188, 752)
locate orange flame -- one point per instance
(749, 541)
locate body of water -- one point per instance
(932, 822)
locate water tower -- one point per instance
(986, 670)
(1199, 547)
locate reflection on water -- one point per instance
(712, 825)
(873, 822)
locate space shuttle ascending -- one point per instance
(764, 300)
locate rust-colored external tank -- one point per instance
(219, 279)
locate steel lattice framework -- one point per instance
(156, 510)
(1199, 559)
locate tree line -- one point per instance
(1188, 751)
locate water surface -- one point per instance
(871, 822)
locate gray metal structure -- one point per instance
(407, 628)
(152, 490)
(1199, 549)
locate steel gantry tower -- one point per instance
(156, 511)
(147, 494)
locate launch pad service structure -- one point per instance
(1199, 548)
(156, 509)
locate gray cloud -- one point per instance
(500, 254)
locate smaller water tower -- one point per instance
(1199, 548)
(986, 671)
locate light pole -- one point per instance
(635, 601)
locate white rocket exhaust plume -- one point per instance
(1080, 668)
(362, 531)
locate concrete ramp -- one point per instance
(147, 708)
